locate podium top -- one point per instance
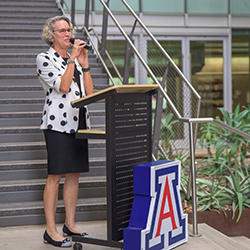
(100, 95)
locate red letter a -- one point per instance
(170, 214)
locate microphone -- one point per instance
(87, 46)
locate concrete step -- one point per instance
(30, 11)
(38, 114)
(23, 1)
(39, 107)
(32, 190)
(37, 169)
(242, 240)
(10, 119)
(16, 151)
(32, 213)
(29, 68)
(27, 4)
(210, 239)
(29, 129)
(26, 134)
(34, 76)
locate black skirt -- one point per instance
(65, 153)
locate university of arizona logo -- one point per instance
(157, 221)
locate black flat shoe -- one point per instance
(67, 232)
(48, 240)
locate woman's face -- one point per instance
(62, 33)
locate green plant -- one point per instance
(209, 194)
(167, 130)
(238, 196)
(228, 173)
(225, 142)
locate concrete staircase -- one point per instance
(22, 148)
(212, 239)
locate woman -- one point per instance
(64, 77)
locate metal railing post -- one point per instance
(104, 31)
(73, 7)
(158, 115)
(86, 22)
(193, 180)
(128, 56)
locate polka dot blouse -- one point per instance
(58, 114)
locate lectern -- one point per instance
(128, 135)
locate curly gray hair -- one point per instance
(48, 29)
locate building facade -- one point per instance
(208, 40)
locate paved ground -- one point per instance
(31, 237)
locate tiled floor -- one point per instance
(31, 237)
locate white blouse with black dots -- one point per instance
(58, 114)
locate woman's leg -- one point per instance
(50, 198)
(70, 195)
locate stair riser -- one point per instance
(40, 154)
(24, 1)
(28, 5)
(9, 39)
(37, 195)
(29, 174)
(21, 94)
(39, 107)
(31, 59)
(35, 81)
(13, 122)
(20, 122)
(39, 219)
(21, 107)
(22, 50)
(30, 12)
(32, 69)
(7, 138)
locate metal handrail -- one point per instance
(161, 48)
(109, 57)
(216, 122)
(61, 7)
(96, 49)
(190, 121)
(175, 111)
(97, 52)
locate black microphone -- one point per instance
(87, 46)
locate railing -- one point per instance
(179, 95)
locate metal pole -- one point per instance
(87, 5)
(128, 57)
(104, 31)
(193, 179)
(73, 7)
(158, 115)
(174, 110)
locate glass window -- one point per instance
(207, 7)
(117, 5)
(207, 75)
(117, 51)
(79, 5)
(240, 67)
(163, 6)
(240, 7)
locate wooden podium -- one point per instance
(128, 136)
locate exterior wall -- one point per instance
(185, 20)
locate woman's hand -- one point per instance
(80, 53)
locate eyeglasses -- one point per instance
(63, 31)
